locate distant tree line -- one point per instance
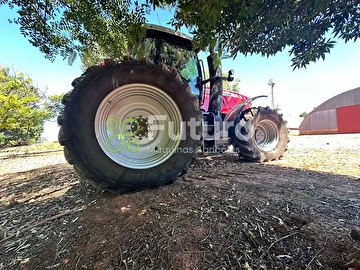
(23, 109)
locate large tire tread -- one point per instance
(74, 154)
(248, 149)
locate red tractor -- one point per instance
(140, 122)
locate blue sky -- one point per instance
(295, 91)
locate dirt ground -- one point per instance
(302, 212)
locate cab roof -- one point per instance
(169, 35)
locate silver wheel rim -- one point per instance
(266, 135)
(138, 126)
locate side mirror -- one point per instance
(230, 75)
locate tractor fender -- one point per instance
(235, 111)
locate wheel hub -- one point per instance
(139, 127)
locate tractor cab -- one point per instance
(174, 49)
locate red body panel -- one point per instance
(229, 100)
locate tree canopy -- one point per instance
(23, 109)
(306, 28)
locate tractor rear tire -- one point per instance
(124, 126)
(260, 134)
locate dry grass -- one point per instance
(28, 149)
(335, 154)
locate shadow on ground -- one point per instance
(223, 214)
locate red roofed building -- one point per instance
(339, 114)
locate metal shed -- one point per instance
(339, 114)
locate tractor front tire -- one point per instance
(260, 134)
(124, 126)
